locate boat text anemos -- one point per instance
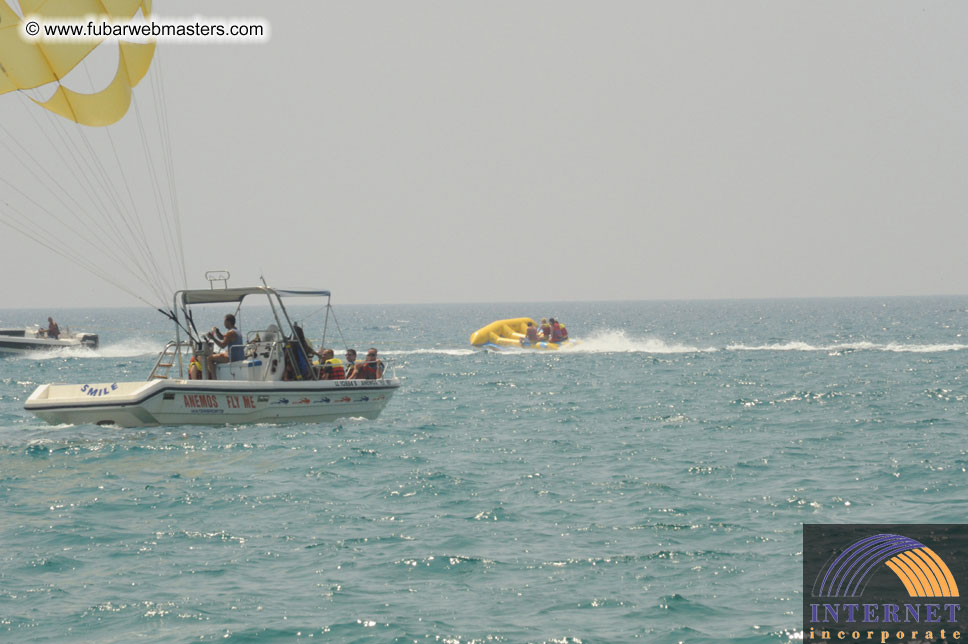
(269, 378)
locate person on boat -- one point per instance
(53, 331)
(555, 331)
(545, 329)
(530, 334)
(370, 369)
(564, 332)
(195, 368)
(350, 357)
(232, 337)
(304, 343)
(332, 366)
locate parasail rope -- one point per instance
(137, 246)
(86, 185)
(26, 156)
(143, 241)
(157, 81)
(101, 184)
(159, 199)
(74, 257)
(102, 221)
(50, 231)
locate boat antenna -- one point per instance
(191, 320)
(331, 311)
(174, 318)
(271, 303)
(325, 324)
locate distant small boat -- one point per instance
(31, 339)
(502, 335)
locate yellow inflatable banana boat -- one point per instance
(510, 334)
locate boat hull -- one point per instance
(209, 402)
(541, 345)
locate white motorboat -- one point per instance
(31, 339)
(270, 378)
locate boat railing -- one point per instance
(177, 356)
(389, 368)
(269, 334)
(168, 359)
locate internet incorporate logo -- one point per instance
(883, 583)
(922, 572)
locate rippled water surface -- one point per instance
(649, 484)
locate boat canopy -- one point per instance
(217, 296)
(289, 292)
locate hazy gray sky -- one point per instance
(504, 151)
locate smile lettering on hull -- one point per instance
(92, 390)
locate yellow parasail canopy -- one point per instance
(27, 65)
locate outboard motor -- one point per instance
(89, 340)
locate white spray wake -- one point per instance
(850, 346)
(604, 341)
(124, 349)
(440, 352)
(617, 341)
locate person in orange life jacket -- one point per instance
(555, 331)
(332, 367)
(231, 338)
(370, 369)
(545, 329)
(195, 368)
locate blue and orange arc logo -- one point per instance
(919, 568)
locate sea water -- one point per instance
(649, 484)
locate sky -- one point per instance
(399, 152)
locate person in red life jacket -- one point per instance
(370, 369)
(332, 366)
(555, 331)
(530, 334)
(545, 329)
